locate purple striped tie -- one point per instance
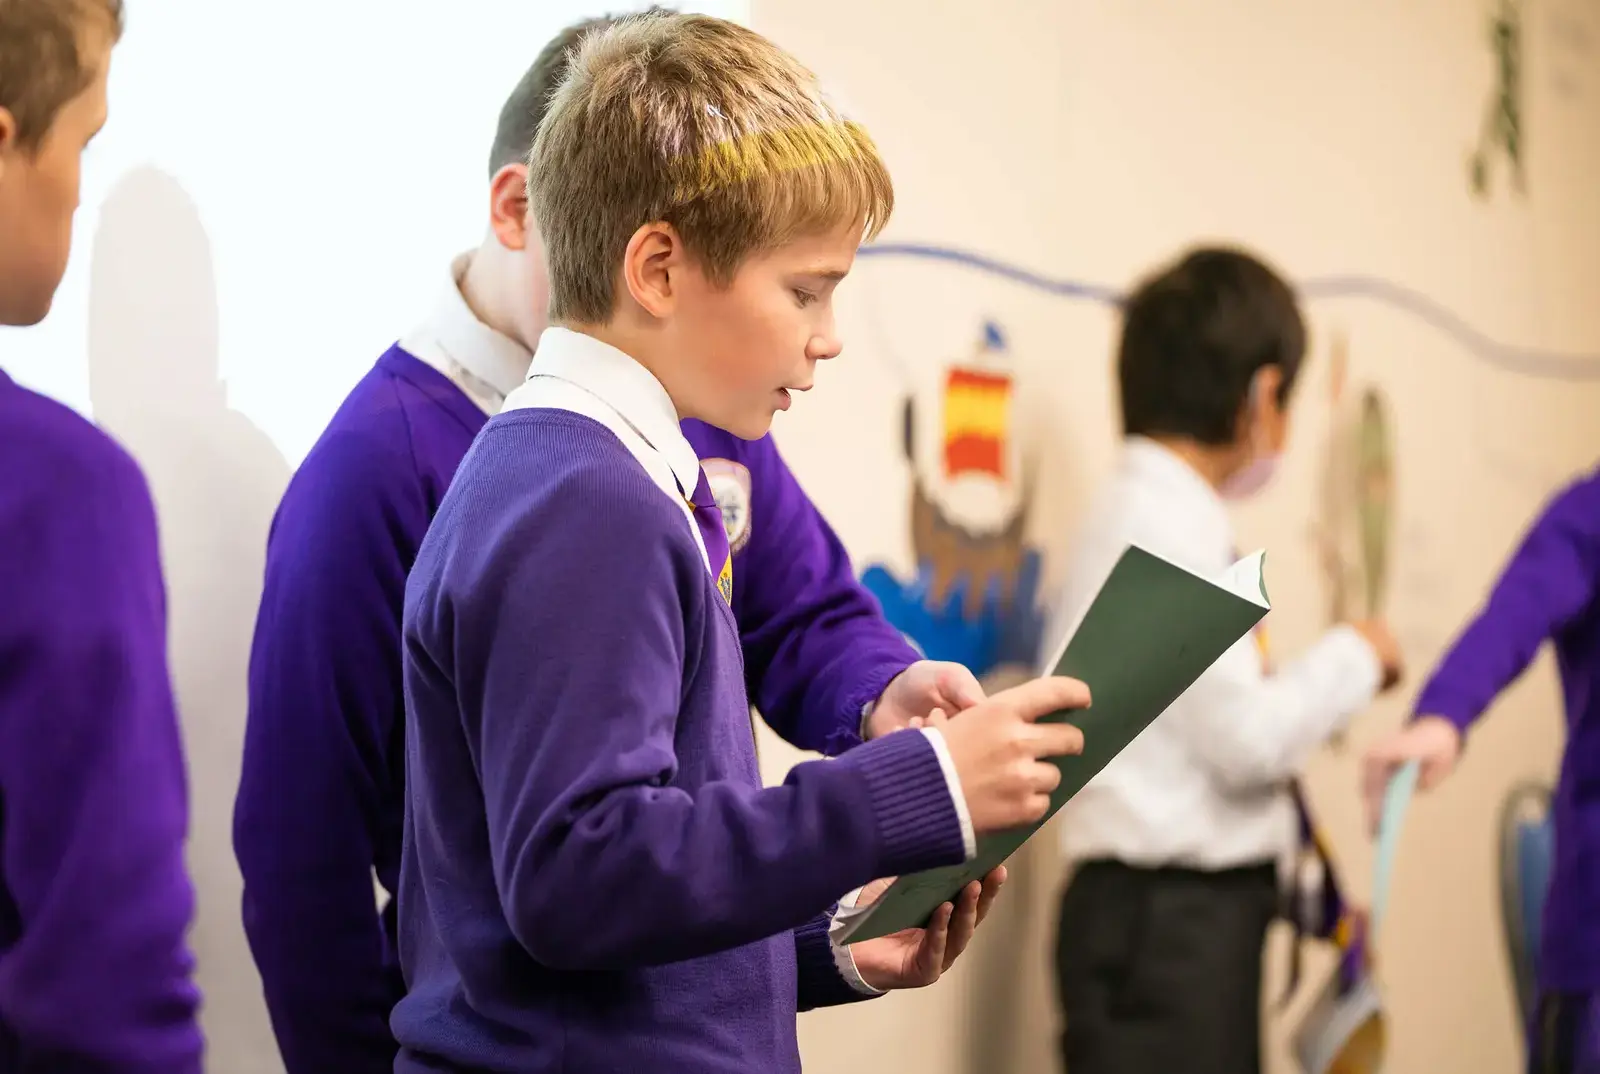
(708, 516)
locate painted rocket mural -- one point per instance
(974, 598)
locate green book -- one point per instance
(1151, 631)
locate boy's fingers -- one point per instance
(1056, 739)
(991, 887)
(1041, 697)
(935, 938)
(962, 924)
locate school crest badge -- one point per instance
(730, 486)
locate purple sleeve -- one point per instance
(95, 972)
(576, 753)
(816, 646)
(1552, 578)
(821, 983)
(313, 815)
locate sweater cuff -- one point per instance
(862, 699)
(821, 965)
(919, 824)
(842, 957)
(1459, 711)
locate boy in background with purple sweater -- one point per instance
(326, 715)
(593, 877)
(95, 902)
(1550, 591)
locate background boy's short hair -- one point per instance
(524, 110)
(1194, 334)
(42, 63)
(699, 123)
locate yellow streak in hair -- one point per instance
(761, 154)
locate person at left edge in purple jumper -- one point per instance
(326, 714)
(95, 901)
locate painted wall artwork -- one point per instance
(974, 594)
(1355, 525)
(1502, 122)
(974, 597)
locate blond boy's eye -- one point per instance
(804, 298)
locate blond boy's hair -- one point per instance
(701, 124)
(43, 64)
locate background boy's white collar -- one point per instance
(483, 363)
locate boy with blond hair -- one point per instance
(326, 690)
(95, 973)
(593, 877)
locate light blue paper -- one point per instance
(1396, 797)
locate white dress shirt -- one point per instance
(1206, 786)
(485, 364)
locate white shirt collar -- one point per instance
(1188, 494)
(625, 386)
(453, 336)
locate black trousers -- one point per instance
(1159, 970)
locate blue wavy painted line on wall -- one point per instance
(1524, 361)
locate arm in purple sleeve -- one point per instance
(314, 807)
(95, 902)
(601, 862)
(1551, 579)
(817, 648)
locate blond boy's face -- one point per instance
(39, 190)
(747, 348)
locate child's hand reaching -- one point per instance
(914, 958)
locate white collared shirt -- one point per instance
(1207, 784)
(580, 374)
(485, 364)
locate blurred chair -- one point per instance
(1527, 845)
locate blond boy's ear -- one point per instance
(651, 266)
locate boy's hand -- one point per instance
(913, 695)
(914, 958)
(1375, 632)
(1432, 740)
(997, 748)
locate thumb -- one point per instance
(960, 687)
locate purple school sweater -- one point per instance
(1550, 590)
(95, 902)
(593, 877)
(323, 789)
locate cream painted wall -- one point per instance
(1087, 140)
